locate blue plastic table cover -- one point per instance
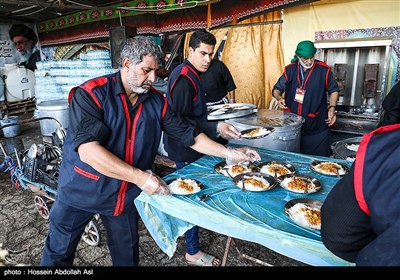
(252, 216)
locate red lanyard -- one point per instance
(303, 86)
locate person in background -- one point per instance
(361, 214)
(25, 40)
(217, 84)
(163, 72)
(161, 82)
(307, 83)
(391, 106)
(185, 96)
(115, 124)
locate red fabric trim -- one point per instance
(185, 71)
(360, 162)
(90, 85)
(299, 109)
(71, 92)
(303, 86)
(327, 78)
(86, 174)
(313, 115)
(164, 108)
(128, 127)
(358, 172)
(128, 158)
(133, 137)
(121, 198)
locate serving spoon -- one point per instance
(208, 195)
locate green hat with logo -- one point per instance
(304, 49)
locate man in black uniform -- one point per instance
(217, 84)
(361, 214)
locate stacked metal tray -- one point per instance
(231, 110)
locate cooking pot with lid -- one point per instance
(285, 137)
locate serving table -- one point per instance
(251, 216)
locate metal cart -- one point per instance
(37, 170)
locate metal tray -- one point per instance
(223, 169)
(239, 181)
(267, 130)
(288, 166)
(316, 204)
(341, 172)
(228, 111)
(314, 187)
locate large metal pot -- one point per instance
(285, 137)
(341, 149)
(57, 109)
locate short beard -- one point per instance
(25, 56)
(136, 89)
(139, 90)
(305, 66)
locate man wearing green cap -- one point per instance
(308, 84)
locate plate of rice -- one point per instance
(234, 169)
(183, 186)
(329, 168)
(254, 181)
(298, 183)
(276, 168)
(305, 212)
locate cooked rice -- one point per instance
(330, 168)
(306, 216)
(253, 183)
(298, 185)
(184, 186)
(270, 169)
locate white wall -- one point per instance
(300, 23)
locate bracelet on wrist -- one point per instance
(331, 106)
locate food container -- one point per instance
(285, 137)
(57, 109)
(343, 149)
(231, 110)
(12, 128)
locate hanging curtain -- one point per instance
(254, 55)
(219, 35)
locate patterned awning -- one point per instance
(152, 17)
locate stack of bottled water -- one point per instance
(55, 78)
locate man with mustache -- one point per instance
(308, 84)
(115, 125)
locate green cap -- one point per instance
(304, 49)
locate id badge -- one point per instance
(299, 97)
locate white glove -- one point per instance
(228, 131)
(155, 184)
(235, 156)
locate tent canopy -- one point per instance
(90, 21)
